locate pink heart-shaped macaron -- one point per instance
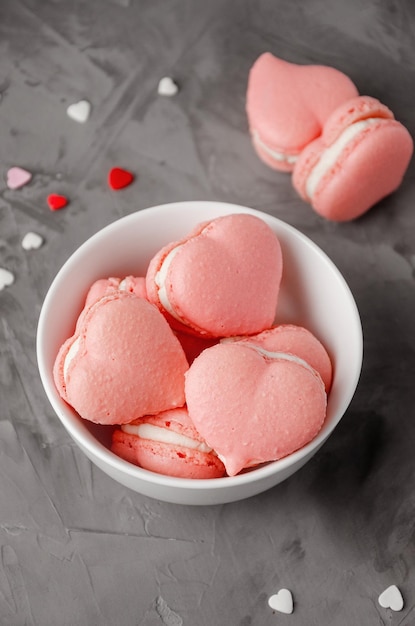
(222, 279)
(287, 105)
(361, 157)
(122, 363)
(167, 443)
(253, 406)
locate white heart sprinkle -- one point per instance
(282, 601)
(167, 87)
(32, 241)
(391, 598)
(17, 177)
(79, 111)
(6, 278)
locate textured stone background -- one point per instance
(75, 547)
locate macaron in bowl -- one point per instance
(313, 294)
(167, 443)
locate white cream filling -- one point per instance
(332, 153)
(73, 350)
(278, 156)
(160, 280)
(280, 355)
(164, 435)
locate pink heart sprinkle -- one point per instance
(17, 177)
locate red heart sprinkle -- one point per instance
(56, 202)
(119, 178)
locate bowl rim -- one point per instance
(83, 437)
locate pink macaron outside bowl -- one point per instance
(313, 294)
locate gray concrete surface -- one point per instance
(75, 547)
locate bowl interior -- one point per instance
(313, 294)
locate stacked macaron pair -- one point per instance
(187, 363)
(346, 151)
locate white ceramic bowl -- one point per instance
(313, 294)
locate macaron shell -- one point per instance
(100, 288)
(179, 462)
(156, 262)
(175, 420)
(166, 458)
(298, 341)
(287, 104)
(152, 288)
(128, 364)
(370, 167)
(351, 111)
(105, 286)
(226, 279)
(251, 409)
